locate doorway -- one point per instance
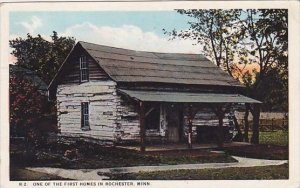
(175, 123)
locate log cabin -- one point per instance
(124, 96)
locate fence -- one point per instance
(268, 124)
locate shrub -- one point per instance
(27, 105)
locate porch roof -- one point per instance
(188, 97)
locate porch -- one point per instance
(175, 112)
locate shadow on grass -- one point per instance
(262, 151)
(245, 173)
(93, 156)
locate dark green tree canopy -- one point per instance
(42, 56)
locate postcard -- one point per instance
(150, 94)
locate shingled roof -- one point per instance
(124, 65)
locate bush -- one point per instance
(27, 105)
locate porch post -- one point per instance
(220, 114)
(190, 121)
(220, 129)
(142, 127)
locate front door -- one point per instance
(173, 125)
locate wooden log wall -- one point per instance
(128, 125)
(112, 117)
(102, 99)
(71, 72)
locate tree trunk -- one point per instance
(255, 128)
(246, 128)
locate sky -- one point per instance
(137, 30)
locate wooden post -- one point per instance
(220, 131)
(190, 121)
(142, 127)
(246, 123)
(239, 137)
(220, 112)
(255, 113)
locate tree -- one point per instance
(267, 32)
(27, 105)
(42, 56)
(235, 39)
(216, 30)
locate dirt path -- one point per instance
(92, 174)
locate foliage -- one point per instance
(273, 90)
(267, 31)
(215, 30)
(27, 105)
(42, 56)
(233, 173)
(236, 40)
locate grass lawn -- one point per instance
(273, 145)
(92, 156)
(249, 173)
(278, 137)
(274, 138)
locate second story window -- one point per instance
(84, 71)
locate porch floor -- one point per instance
(180, 146)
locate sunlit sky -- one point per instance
(137, 30)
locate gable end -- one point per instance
(69, 73)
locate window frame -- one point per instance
(85, 116)
(84, 69)
(158, 127)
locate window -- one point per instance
(152, 119)
(85, 115)
(84, 72)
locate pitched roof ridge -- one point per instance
(179, 53)
(97, 57)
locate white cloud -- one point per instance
(32, 25)
(126, 36)
(130, 37)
